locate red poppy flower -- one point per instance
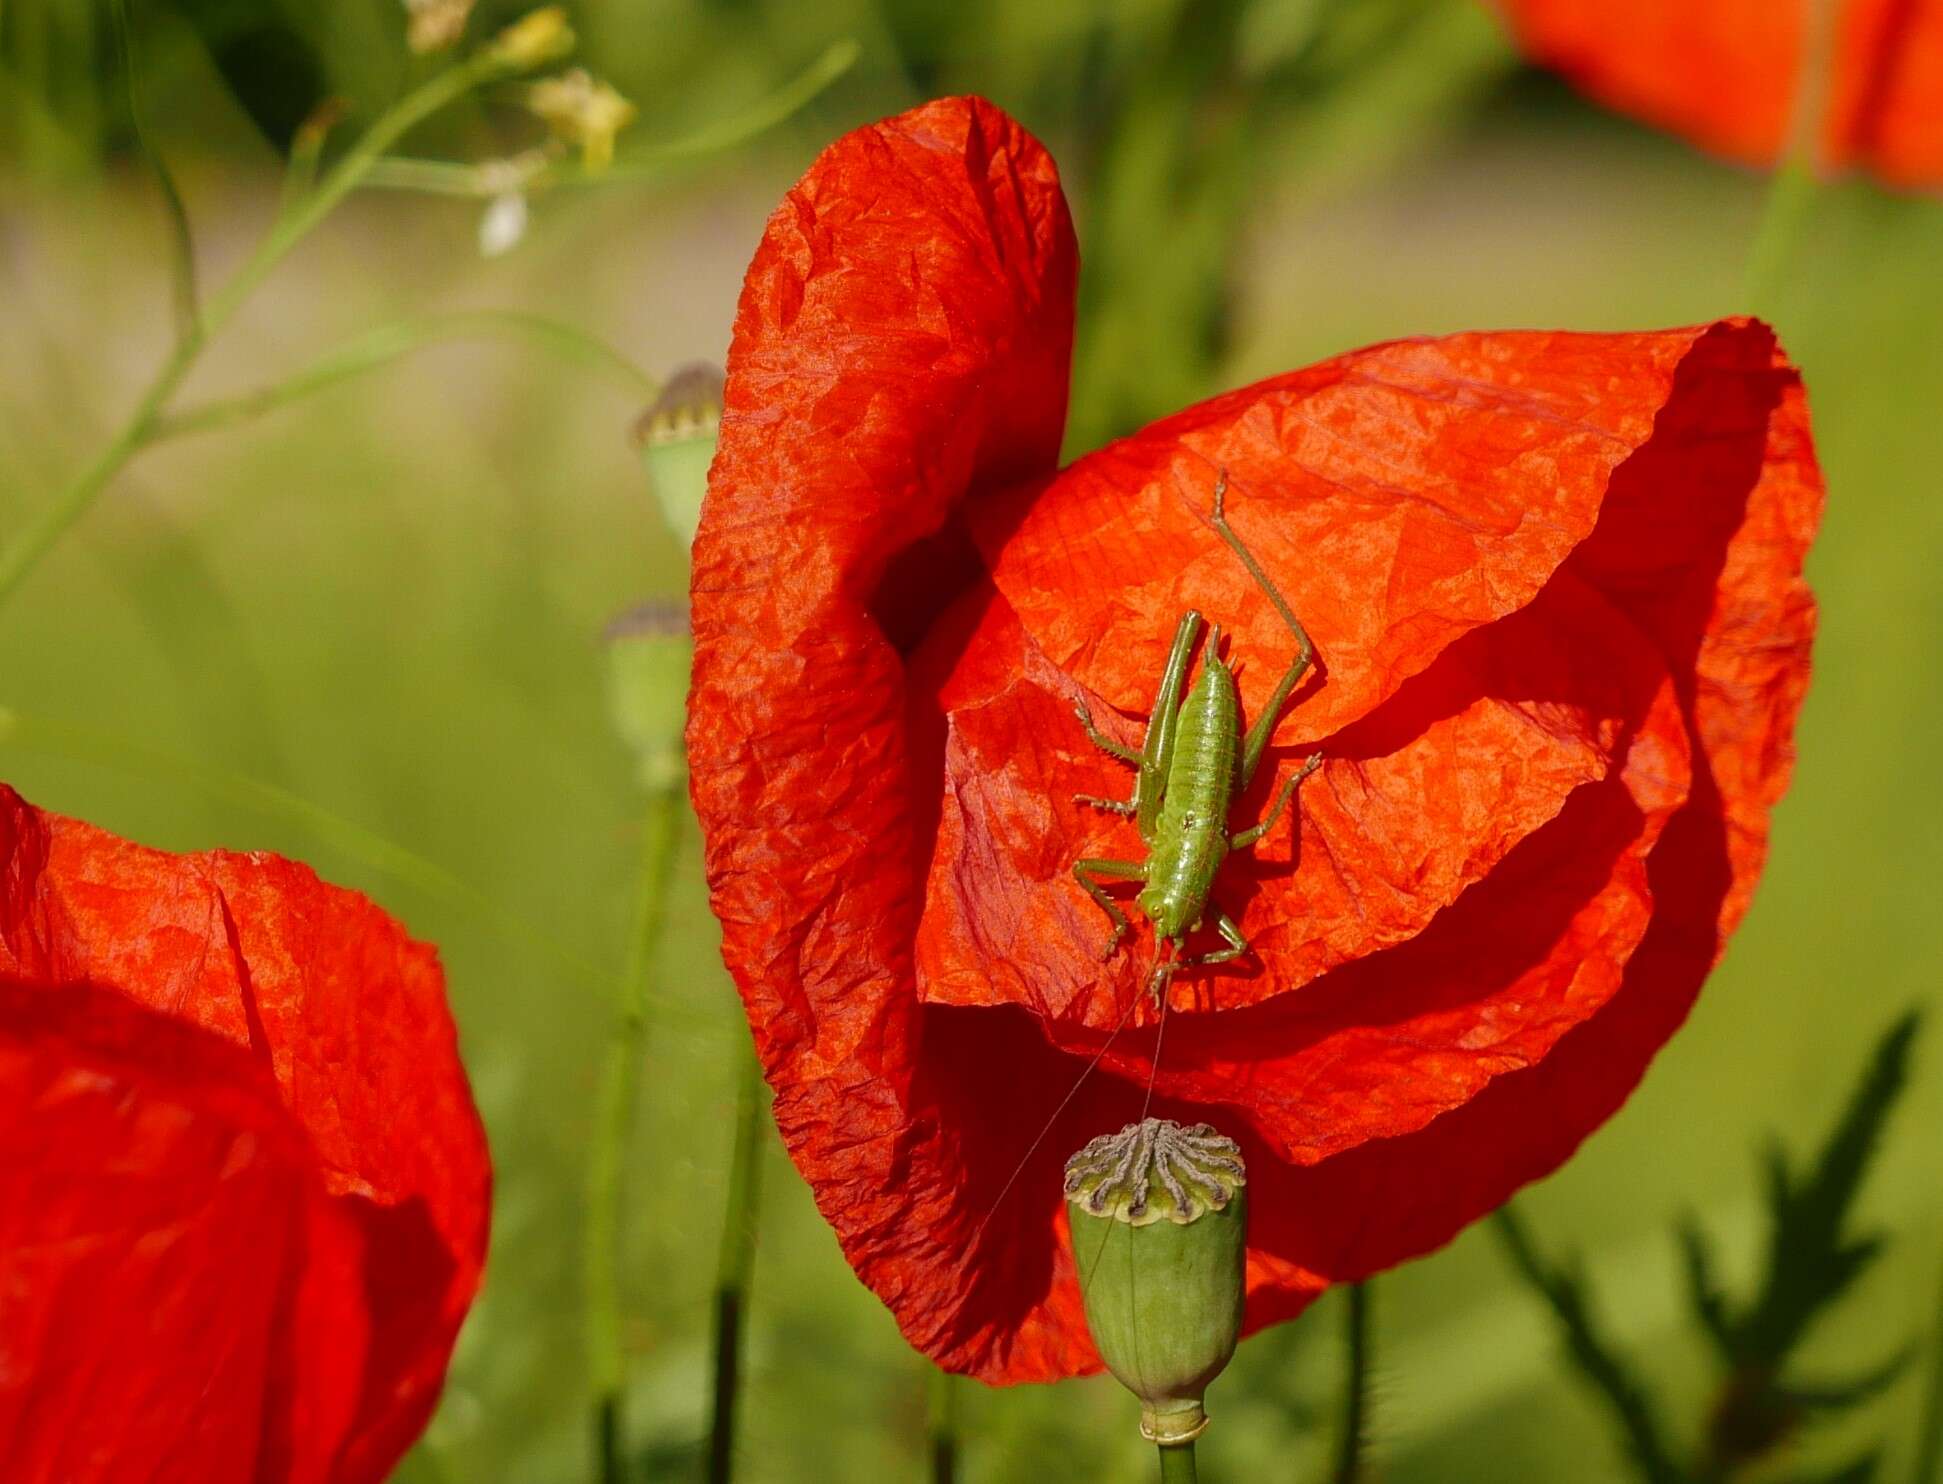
(1725, 73)
(243, 1188)
(1554, 586)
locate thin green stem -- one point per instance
(1791, 192)
(614, 1122)
(380, 347)
(734, 1264)
(456, 178)
(343, 177)
(32, 541)
(307, 153)
(943, 1426)
(1177, 1463)
(1353, 1436)
(182, 254)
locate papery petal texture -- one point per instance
(245, 1190)
(1554, 586)
(1727, 73)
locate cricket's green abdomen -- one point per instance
(1191, 838)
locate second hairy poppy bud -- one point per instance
(1159, 1213)
(648, 656)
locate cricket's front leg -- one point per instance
(1237, 945)
(1087, 873)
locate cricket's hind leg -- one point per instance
(1245, 838)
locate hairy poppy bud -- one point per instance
(1159, 1214)
(648, 654)
(535, 39)
(676, 437)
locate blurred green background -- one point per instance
(388, 602)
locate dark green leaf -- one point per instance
(1633, 1409)
(1836, 1396)
(1810, 1265)
(1860, 1471)
(1703, 1289)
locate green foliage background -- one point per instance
(388, 601)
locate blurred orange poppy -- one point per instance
(1555, 587)
(243, 1188)
(1726, 73)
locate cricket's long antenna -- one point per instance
(1164, 977)
(1304, 647)
(1071, 1093)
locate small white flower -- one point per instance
(503, 224)
(433, 25)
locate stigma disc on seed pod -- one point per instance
(1159, 1216)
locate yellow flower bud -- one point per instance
(534, 40)
(582, 111)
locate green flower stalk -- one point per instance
(1159, 1215)
(676, 436)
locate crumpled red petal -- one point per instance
(1725, 73)
(238, 1131)
(1555, 585)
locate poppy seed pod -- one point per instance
(1159, 1215)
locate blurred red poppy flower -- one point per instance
(1725, 73)
(243, 1188)
(1554, 585)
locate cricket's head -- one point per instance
(1172, 912)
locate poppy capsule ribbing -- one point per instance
(1159, 1213)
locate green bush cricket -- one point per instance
(1190, 766)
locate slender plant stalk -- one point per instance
(380, 347)
(307, 153)
(457, 178)
(182, 243)
(1791, 193)
(32, 541)
(1177, 1464)
(619, 1092)
(1353, 1436)
(943, 1426)
(734, 1264)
